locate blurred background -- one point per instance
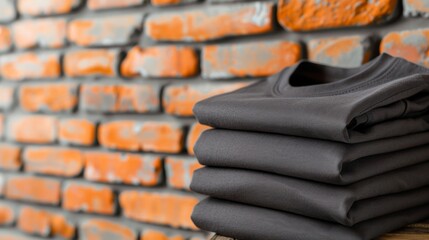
(96, 97)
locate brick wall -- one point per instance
(96, 96)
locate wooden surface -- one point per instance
(418, 231)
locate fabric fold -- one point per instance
(254, 223)
(348, 205)
(312, 159)
(384, 98)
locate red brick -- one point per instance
(32, 128)
(91, 62)
(179, 99)
(180, 170)
(211, 23)
(158, 235)
(10, 156)
(103, 4)
(159, 208)
(45, 33)
(46, 7)
(7, 214)
(106, 30)
(53, 161)
(88, 198)
(350, 51)
(412, 45)
(77, 131)
(98, 97)
(5, 38)
(6, 96)
(170, 2)
(98, 229)
(248, 59)
(45, 224)
(416, 7)
(297, 15)
(33, 189)
(134, 169)
(7, 11)
(52, 97)
(120, 135)
(33, 221)
(146, 136)
(193, 135)
(160, 61)
(141, 98)
(102, 97)
(30, 66)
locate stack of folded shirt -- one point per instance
(317, 152)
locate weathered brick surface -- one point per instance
(193, 135)
(170, 2)
(6, 96)
(33, 189)
(297, 15)
(134, 169)
(248, 59)
(158, 235)
(32, 128)
(10, 157)
(43, 223)
(96, 229)
(91, 62)
(165, 61)
(76, 131)
(168, 209)
(211, 23)
(105, 31)
(30, 66)
(146, 136)
(179, 171)
(45, 33)
(413, 8)
(412, 45)
(103, 4)
(7, 11)
(53, 97)
(5, 38)
(7, 214)
(53, 161)
(351, 51)
(90, 198)
(179, 99)
(46, 7)
(99, 97)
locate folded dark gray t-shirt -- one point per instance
(347, 205)
(246, 222)
(313, 159)
(384, 98)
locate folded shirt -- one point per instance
(347, 205)
(313, 159)
(246, 222)
(386, 97)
